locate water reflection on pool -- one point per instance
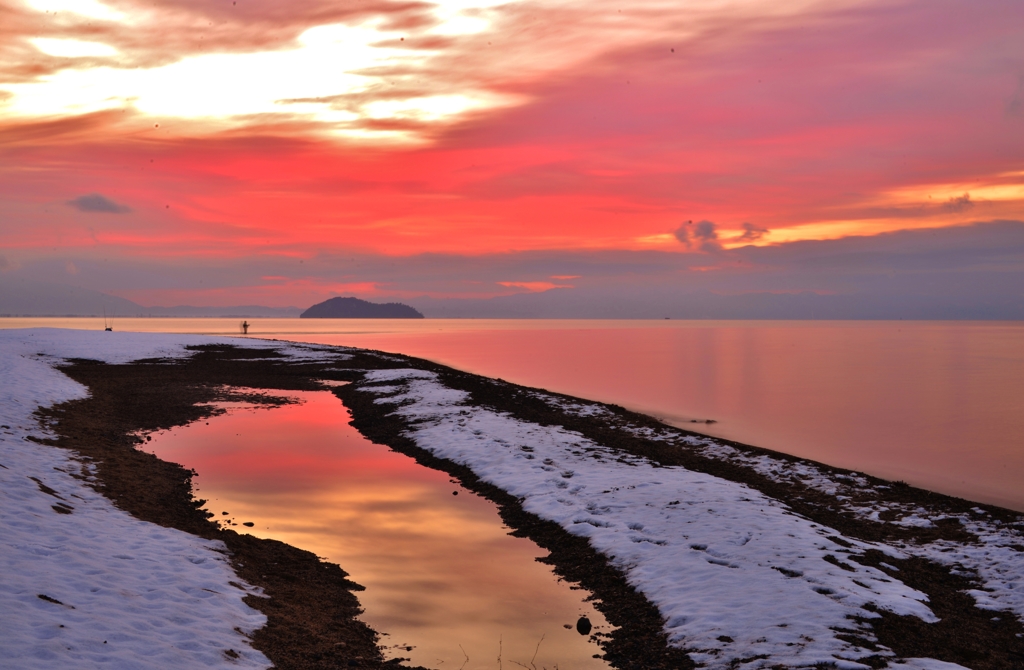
(441, 573)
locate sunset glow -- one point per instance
(269, 133)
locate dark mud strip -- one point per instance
(311, 605)
(964, 635)
(967, 635)
(639, 643)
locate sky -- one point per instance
(225, 152)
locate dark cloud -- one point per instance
(964, 272)
(682, 233)
(958, 204)
(753, 233)
(94, 202)
(971, 271)
(701, 236)
(705, 231)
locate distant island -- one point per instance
(354, 308)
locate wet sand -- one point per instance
(312, 606)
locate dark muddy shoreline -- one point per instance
(311, 605)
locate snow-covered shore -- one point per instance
(86, 585)
(735, 573)
(738, 576)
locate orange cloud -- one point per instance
(533, 286)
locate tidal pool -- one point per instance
(445, 583)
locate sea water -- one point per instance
(937, 404)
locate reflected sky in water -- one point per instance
(439, 569)
(940, 405)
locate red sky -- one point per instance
(145, 144)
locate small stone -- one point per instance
(583, 626)
(250, 524)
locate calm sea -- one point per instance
(938, 404)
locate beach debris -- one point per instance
(583, 626)
(43, 596)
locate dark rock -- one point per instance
(583, 626)
(354, 308)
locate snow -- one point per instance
(998, 564)
(129, 594)
(926, 664)
(735, 573)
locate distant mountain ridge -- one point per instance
(234, 311)
(354, 308)
(22, 297)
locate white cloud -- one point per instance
(88, 8)
(327, 64)
(68, 48)
(335, 61)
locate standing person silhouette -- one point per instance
(245, 328)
